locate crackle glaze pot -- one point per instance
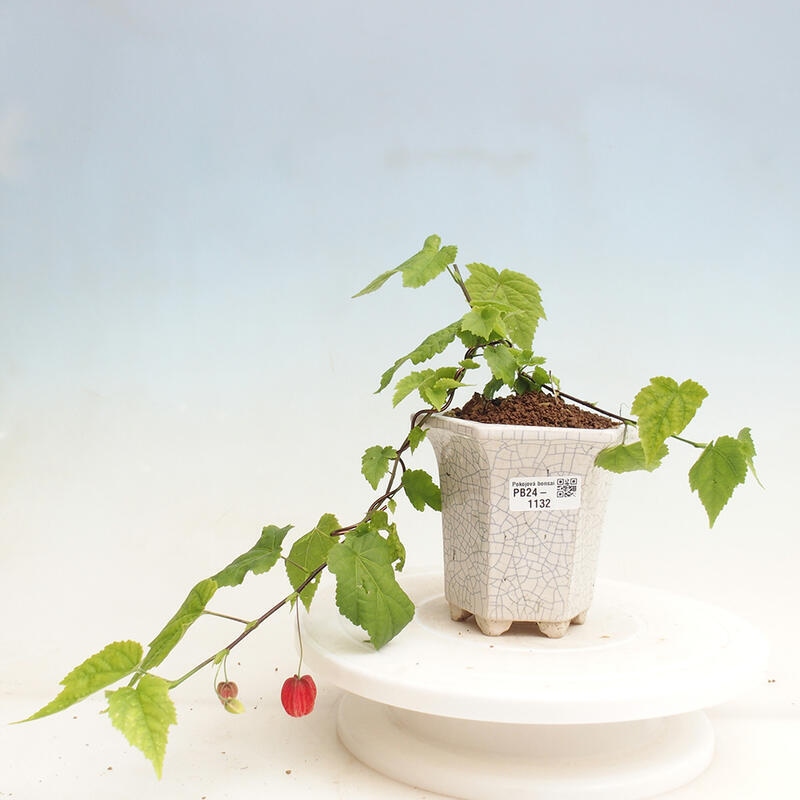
(522, 514)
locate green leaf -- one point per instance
(428, 263)
(144, 713)
(308, 553)
(408, 384)
(421, 490)
(513, 290)
(397, 548)
(483, 322)
(664, 409)
(526, 358)
(375, 463)
(502, 363)
(113, 662)
(628, 458)
(367, 592)
(169, 636)
(260, 558)
(431, 346)
(422, 267)
(433, 385)
(416, 436)
(435, 392)
(720, 468)
(376, 283)
(377, 520)
(541, 377)
(749, 450)
(492, 388)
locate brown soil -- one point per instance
(533, 408)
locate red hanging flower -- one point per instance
(298, 695)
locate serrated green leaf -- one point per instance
(376, 283)
(471, 340)
(422, 267)
(628, 458)
(542, 377)
(308, 553)
(375, 463)
(721, 467)
(428, 263)
(114, 662)
(487, 286)
(143, 714)
(484, 322)
(749, 450)
(260, 558)
(409, 383)
(502, 363)
(416, 436)
(378, 520)
(527, 358)
(432, 385)
(469, 363)
(421, 490)
(367, 592)
(436, 391)
(492, 388)
(431, 346)
(190, 610)
(664, 409)
(397, 548)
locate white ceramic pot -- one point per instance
(522, 514)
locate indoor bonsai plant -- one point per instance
(496, 330)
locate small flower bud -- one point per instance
(234, 705)
(226, 690)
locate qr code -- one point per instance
(566, 487)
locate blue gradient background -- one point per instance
(190, 193)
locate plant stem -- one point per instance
(226, 616)
(299, 640)
(611, 414)
(252, 626)
(456, 276)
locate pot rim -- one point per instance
(493, 430)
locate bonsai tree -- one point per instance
(364, 556)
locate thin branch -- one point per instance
(253, 625)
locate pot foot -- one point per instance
(554, 630)
(579, 619)
(457, 614)
(493, 627)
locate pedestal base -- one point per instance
(485, 760)
(613, 710)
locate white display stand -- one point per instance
(613, 710)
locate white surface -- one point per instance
(484, 761)
(642, 653)
(188, 199)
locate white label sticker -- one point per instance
(553, 493)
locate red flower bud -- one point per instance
(298, 695)
(227, 690)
